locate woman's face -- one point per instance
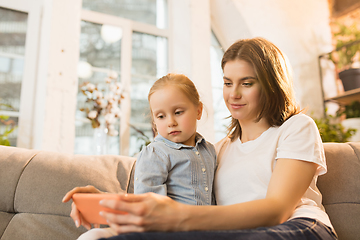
(241, 90)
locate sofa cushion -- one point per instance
(33, 184)
(48, 177)
(41, 226)
(340, 188)
(12, 164)
(4, 221)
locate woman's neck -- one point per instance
(252, 130)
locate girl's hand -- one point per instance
(75, 214)
(146, 212)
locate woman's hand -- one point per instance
(152, 212)
(146, 212)
(75, 214)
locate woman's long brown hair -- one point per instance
(277, 94)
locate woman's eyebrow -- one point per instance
(241, 79)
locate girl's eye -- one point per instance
(178, 112)
(227, 84)
(160, 116)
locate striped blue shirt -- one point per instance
(184, 173)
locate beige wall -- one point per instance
(299, 28)
(190, 46)
(57, 76)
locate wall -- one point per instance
(190, 46)
(57, 76)
(299, 28)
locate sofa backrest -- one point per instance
(33, 183)
(340, 188)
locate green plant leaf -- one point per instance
(345, 50)
(350, 111)
(4, 142)
(331, 129)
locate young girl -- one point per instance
(265, 183)
(179, 163)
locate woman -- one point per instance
(265, 184)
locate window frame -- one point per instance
(128, 26)
(28, 84)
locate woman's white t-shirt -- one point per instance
(244, 169)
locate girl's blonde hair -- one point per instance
(277, 94)
(181, 82)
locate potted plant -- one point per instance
(351, 112)
(332, 130)
(347, 55)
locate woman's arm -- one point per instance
(151, 212)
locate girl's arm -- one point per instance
(151, 172)
(151, 212)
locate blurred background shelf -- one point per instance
(346, 97)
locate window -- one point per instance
(13, 25)
(146, 11)
(220, 110)
(19, 38)
(139, 56)
(149, 62)
(100, 55)
(144, 49)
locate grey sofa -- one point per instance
(33, 183)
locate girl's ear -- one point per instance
(154, 128)
(199, 111)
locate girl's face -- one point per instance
(241, 90)
(175, 115)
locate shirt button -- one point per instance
(206, 189)
(136, 178)
(197, 153)
(203, 169)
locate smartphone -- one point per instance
(89, 206)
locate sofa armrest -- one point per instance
(340, 188)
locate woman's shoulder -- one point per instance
(299, 128)
(299, 119)
(221, 145)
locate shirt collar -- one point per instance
(198, 140)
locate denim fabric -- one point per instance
(295, 229)
(184, 173)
